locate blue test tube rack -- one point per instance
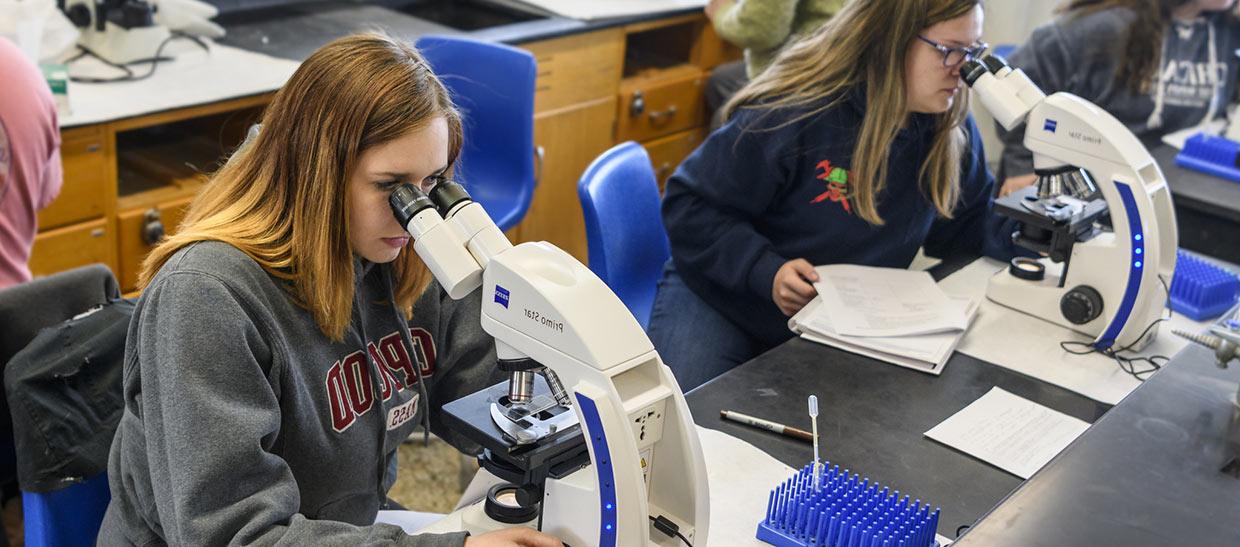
(1201, 290)
(846, 511)
(1212, 155)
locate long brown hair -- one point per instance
(282, 198)
(865, 44)
(1140, 50)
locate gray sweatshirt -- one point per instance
(1079, 54)
(245, 425)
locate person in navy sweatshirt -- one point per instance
(855, 146)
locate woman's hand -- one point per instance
(513, 537)
(1013, 184)
(793, 287)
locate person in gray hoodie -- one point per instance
(270, 372)
(1157, 65)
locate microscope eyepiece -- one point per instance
(995, 63)
(971, 71)
(448, 194)
(407, 201)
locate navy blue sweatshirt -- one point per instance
(759, 193)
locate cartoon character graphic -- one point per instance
(837, 185)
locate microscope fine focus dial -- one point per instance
(1081, 305)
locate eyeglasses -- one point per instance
(953, 56)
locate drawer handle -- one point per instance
(540, 157)
(659, 118)
(638, 104)
(97, 232)
(152, 227)
(93, 147)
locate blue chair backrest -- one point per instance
(68, 517)
(493, 86)
(624, 229)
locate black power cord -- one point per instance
(129, 75)
(669, 528)
(1126, 363)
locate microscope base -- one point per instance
(1041, 299)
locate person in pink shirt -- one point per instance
(30, 171)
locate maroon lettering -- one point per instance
(341, 410)
(356, 373)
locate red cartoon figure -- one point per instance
(837, 185)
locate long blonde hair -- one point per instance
(282, 198)
(864, 46)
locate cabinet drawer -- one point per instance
(667, 153)
(71, 246)
(577, 69)
(661, 104)
(85, 157)
(132, 235)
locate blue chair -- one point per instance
(624, 229)
(68, 517)
(493, 85)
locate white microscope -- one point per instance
(549, 314)
(1113, 284)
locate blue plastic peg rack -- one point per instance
(1212, 155)
(845, 511)
(1201, 290)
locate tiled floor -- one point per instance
(430, 477)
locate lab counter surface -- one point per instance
(295, 31)
(872, 417)
(1207, 208)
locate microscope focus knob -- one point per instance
(1081, 304)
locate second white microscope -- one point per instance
(1114, 282)
(644, 480)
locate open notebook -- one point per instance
(924, 352)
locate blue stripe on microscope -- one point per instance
(1135, 268)
(602, 466)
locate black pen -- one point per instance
(767, 425)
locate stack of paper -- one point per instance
(893, 315)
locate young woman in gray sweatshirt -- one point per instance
(270, 373)
(1157, 65)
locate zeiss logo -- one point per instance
(501, 296)
(1050, 125)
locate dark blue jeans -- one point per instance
(694, 339)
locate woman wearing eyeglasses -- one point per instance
(854, 147)
(1159, 66)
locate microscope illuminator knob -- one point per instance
(1081, 305)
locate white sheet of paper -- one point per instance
(1010, 432)
(1176, 139)
(869, 301)
(1030, 346)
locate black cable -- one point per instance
(669, 528)
(129, 73)
(960, 529)
(1126, 363)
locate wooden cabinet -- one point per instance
(662, 103)
(667, 153)
(88, 161)
(138, 231)
(577, 69)
(68, 247)
(572, 139)
(585, 102)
